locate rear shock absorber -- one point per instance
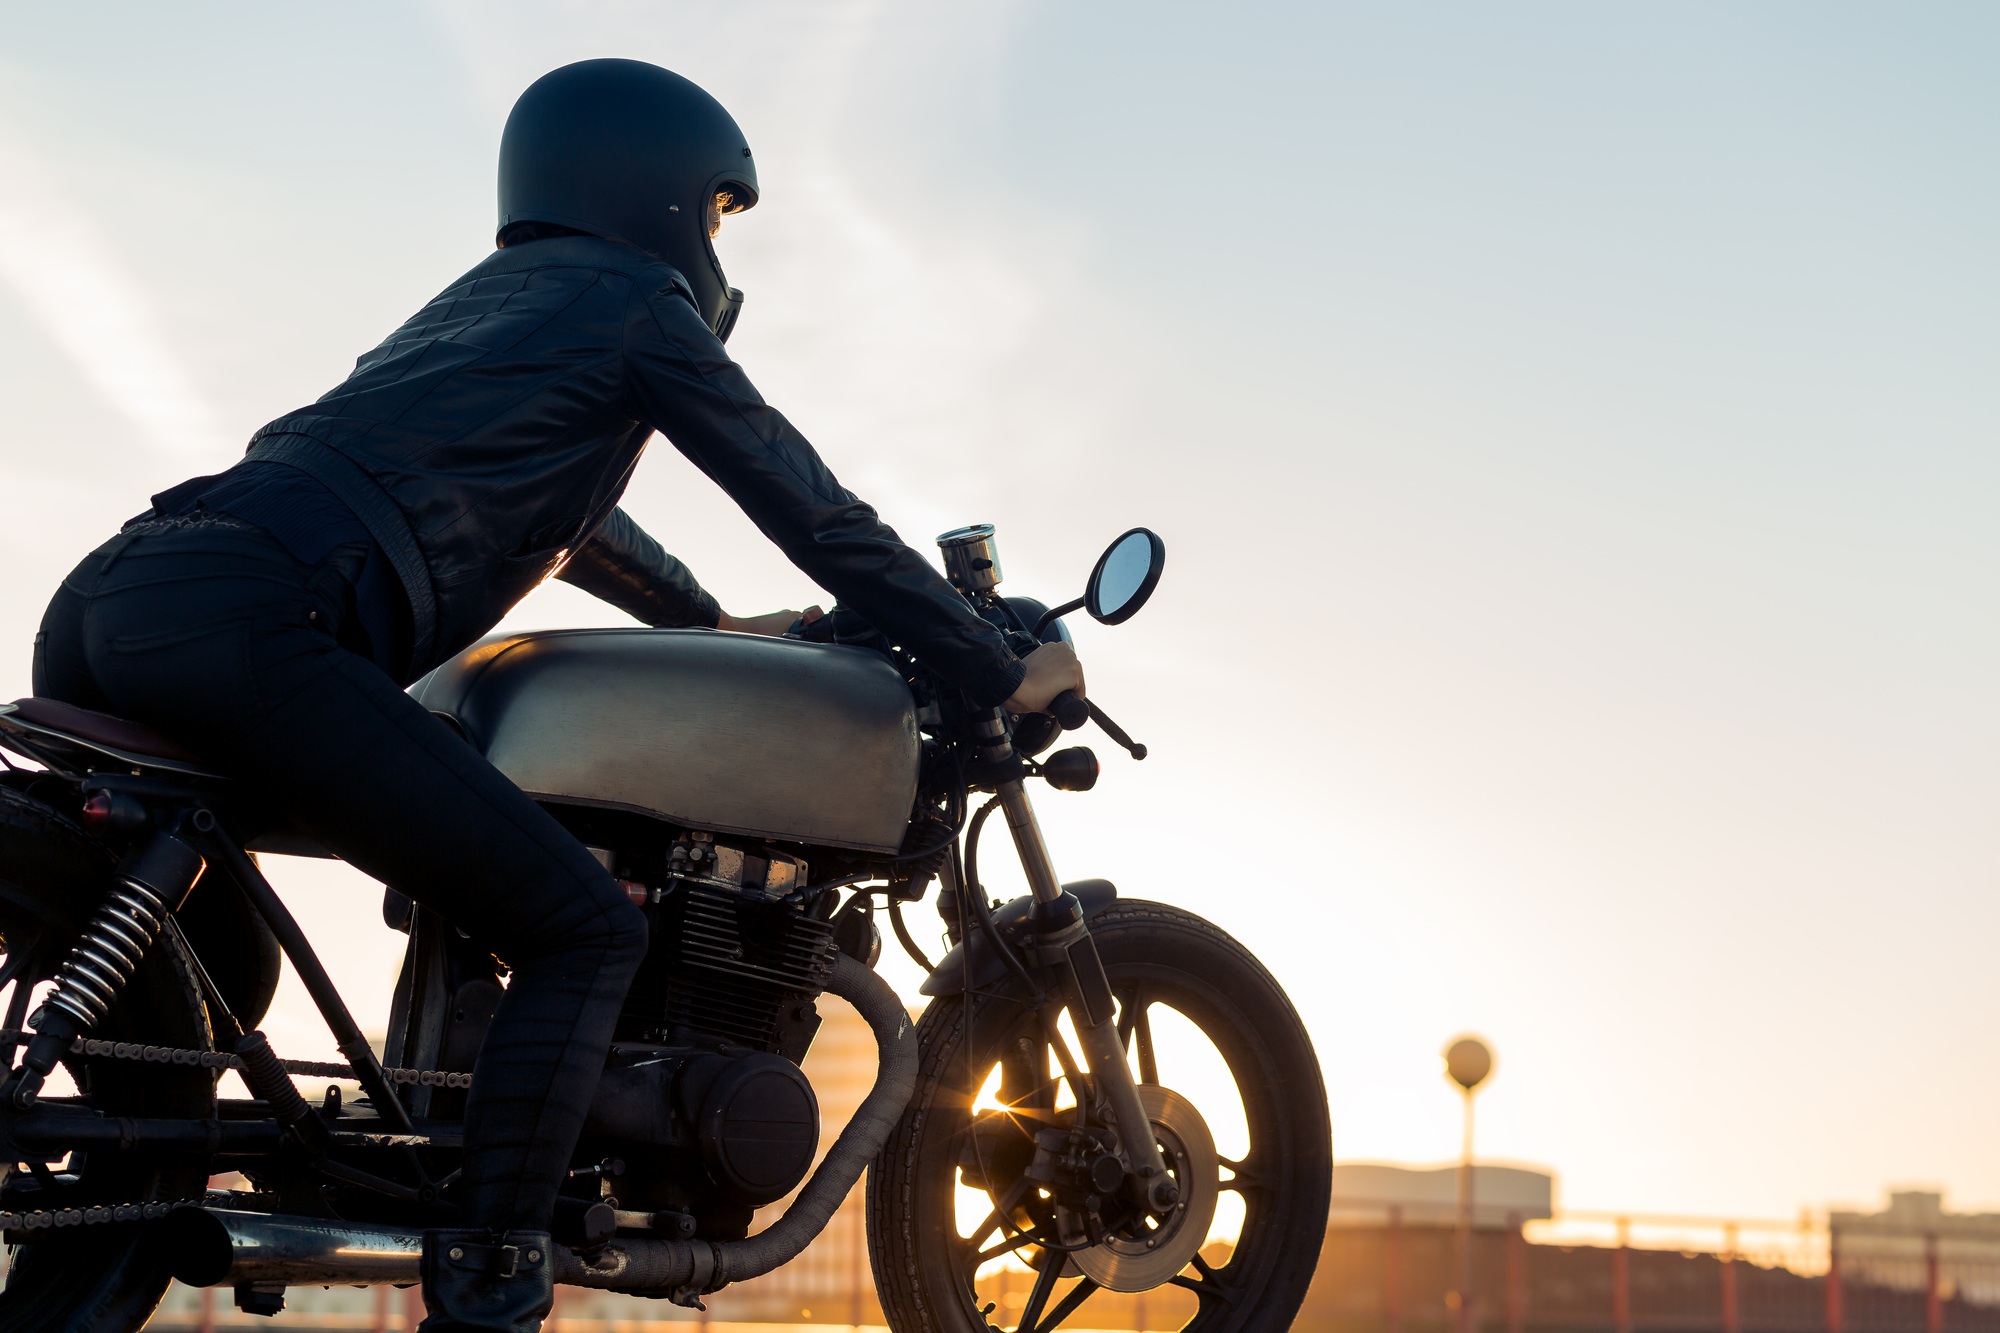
(152, 882)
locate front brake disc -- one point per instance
(1157, 1248)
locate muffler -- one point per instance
(215, 1247)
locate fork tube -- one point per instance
(1028, 841)
(996, 747)
(1103, 1051)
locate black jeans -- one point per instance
(212, 632)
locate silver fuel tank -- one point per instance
(732, 733)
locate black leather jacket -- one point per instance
(486, 442)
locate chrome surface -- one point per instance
(105, 955)
(1028, 841)
(971, 558)
(210, 1247)
(732, 733)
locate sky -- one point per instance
(1571, 427)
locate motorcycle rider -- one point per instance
(270, 616)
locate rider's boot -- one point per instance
(481, 1282)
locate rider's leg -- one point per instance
(215, 636)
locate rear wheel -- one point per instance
(973, 1224)
(103, 1278)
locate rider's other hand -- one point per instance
(1052, 668)
(773, 624)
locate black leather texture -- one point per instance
(477, 1282)
(496, 430)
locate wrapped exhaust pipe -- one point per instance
(212, 1247)
(683, 1269)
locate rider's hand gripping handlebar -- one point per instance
(1069, 710)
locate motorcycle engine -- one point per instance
(704, 1093)
(750, 1118)
(734, 957)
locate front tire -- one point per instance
(103, 1278)
(1207, 1027)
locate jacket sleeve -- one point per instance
(623, 566)
(685, 386)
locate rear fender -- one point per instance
(986, 967)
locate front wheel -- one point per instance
(982, 1213)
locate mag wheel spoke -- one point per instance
(1245, 1177)
(18, 962)
(1205, 1289)
(1079, 1084)
(1013, 1236)
(1066, 1307)
(1046, 1278)
(1208, 1284)
(1018, 1241)
(20, 971)
(992, 1223)
(1135, 1022)
(17, 1002)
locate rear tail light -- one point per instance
(96, 816)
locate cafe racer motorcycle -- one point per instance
(766, 801)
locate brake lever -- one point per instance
(1114, 731)
(1073, 712)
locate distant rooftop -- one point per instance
(1917, 1213)
(1502, 1196)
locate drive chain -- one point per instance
(91, 1047)
(173, 1055)
(42, 1219)
(82, 1217)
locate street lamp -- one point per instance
(1469, 1062)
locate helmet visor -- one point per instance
(726, 200)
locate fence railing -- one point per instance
(1578, 1272)
(1583, 1272)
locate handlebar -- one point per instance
(1069, 710)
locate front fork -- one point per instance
(1058, 941)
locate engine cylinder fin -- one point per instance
(727, 966)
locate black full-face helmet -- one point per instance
(636, 153)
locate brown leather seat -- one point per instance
(102, 729)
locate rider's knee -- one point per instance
(625, 931)
(590, 916)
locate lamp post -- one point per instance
(1469, 1062)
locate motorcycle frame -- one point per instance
(1059, 954)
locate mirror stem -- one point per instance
(1056, 613)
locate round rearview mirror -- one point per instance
(1125, 576)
